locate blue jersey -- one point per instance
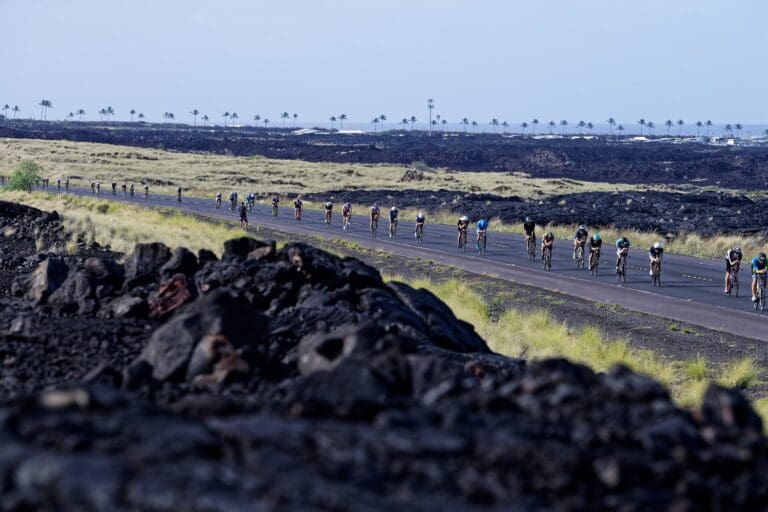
(392, 214)
(756, 265)
(482, 224)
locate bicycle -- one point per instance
(218, 204)
(656, 273)
(621, 268)
(392, 228)
(546, 258)
(463, 240)
(244, 224)
(345, 221)
(297, 215)
(328, 217)
(482, 243)
(579, 257)
(374, 227)
(274, 210)
(419, 233)
(733, 280)
(531, 247)
(760, 302)
(594, 261)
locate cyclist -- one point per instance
(93, 187)
(218, 200)
(98, 187)
(131, 189)
(114, 188)
(297, 206)
(178, 193)
(482, 229)
(461, 227)
(732, 258)
(275, 203)
(146, 191)
(328, 211)
(58, 184)
(250, 200)
(125, 189)
(654, 255)
(346, 215)
(595, 245)
(759, 268)
(420, 219)
(392, 220)
(529, 228)
(232, 200)
(580, 238)
(374, 215)
(547, 243)
(66, 184)
(243, 215)
(622, 248)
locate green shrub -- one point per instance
(24, 176)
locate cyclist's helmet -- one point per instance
(582, 227)
(328, 203)
(550, 234)
(596, 237)
(393, 209)
(658, 245)
(737, 249)
(527, 219)
(761, 257)
(420, 217)
(464, 218)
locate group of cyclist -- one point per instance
(125, 188)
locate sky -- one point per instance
(481, 59)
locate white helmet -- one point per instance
(582, 227)
(393, 209)
(328, 203)
(464, 218)
(420, 216)
(658, 245)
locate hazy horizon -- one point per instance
(513, 61)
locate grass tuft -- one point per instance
(742, 374)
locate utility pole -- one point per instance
(430, 107)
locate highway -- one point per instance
(691, 291)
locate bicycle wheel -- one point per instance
(735, 285)
(580, 258)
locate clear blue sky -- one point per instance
(514, 60)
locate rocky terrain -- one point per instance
(600, 159)
(291, 379)
(708, 213)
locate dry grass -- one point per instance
(203, 174)
(121, 225)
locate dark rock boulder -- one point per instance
(241, 247)
(144, 263)
(183, 261)
(49, 275)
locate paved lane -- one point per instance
(691, 287)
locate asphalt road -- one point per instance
(691, 291)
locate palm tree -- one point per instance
(438, 120)
(444, 122)
(284, 116)
(641, 122)
(205, 120)
(582, 124)
(729, 129)
(194, 113)
(551, 126)
(110, 113)
(505, 125)
(6, 108)
(413, 120)
(651, 126)
(430, 107)
(16, 110)
(738, 130)
(474, 126)
(523, 125)
(533, 125)
(434, 124)
(257, 118)
(699, 124)
(332, 120)
(233, 116)
(266, 122)
(680, 124)
(295, 117)
(465, 123)
(70, 116)
(668, 123)
(44, 106)
(382, 118)
(103, 112)
(404, 122)
(563, 123)
(590, 126)
(141, 117)
(171, 116)
(494, 123)
(133, 113)
(611, 123)
(80, 114)
(342, 118)
(225, 115)
(708, 123)
(620, 129)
